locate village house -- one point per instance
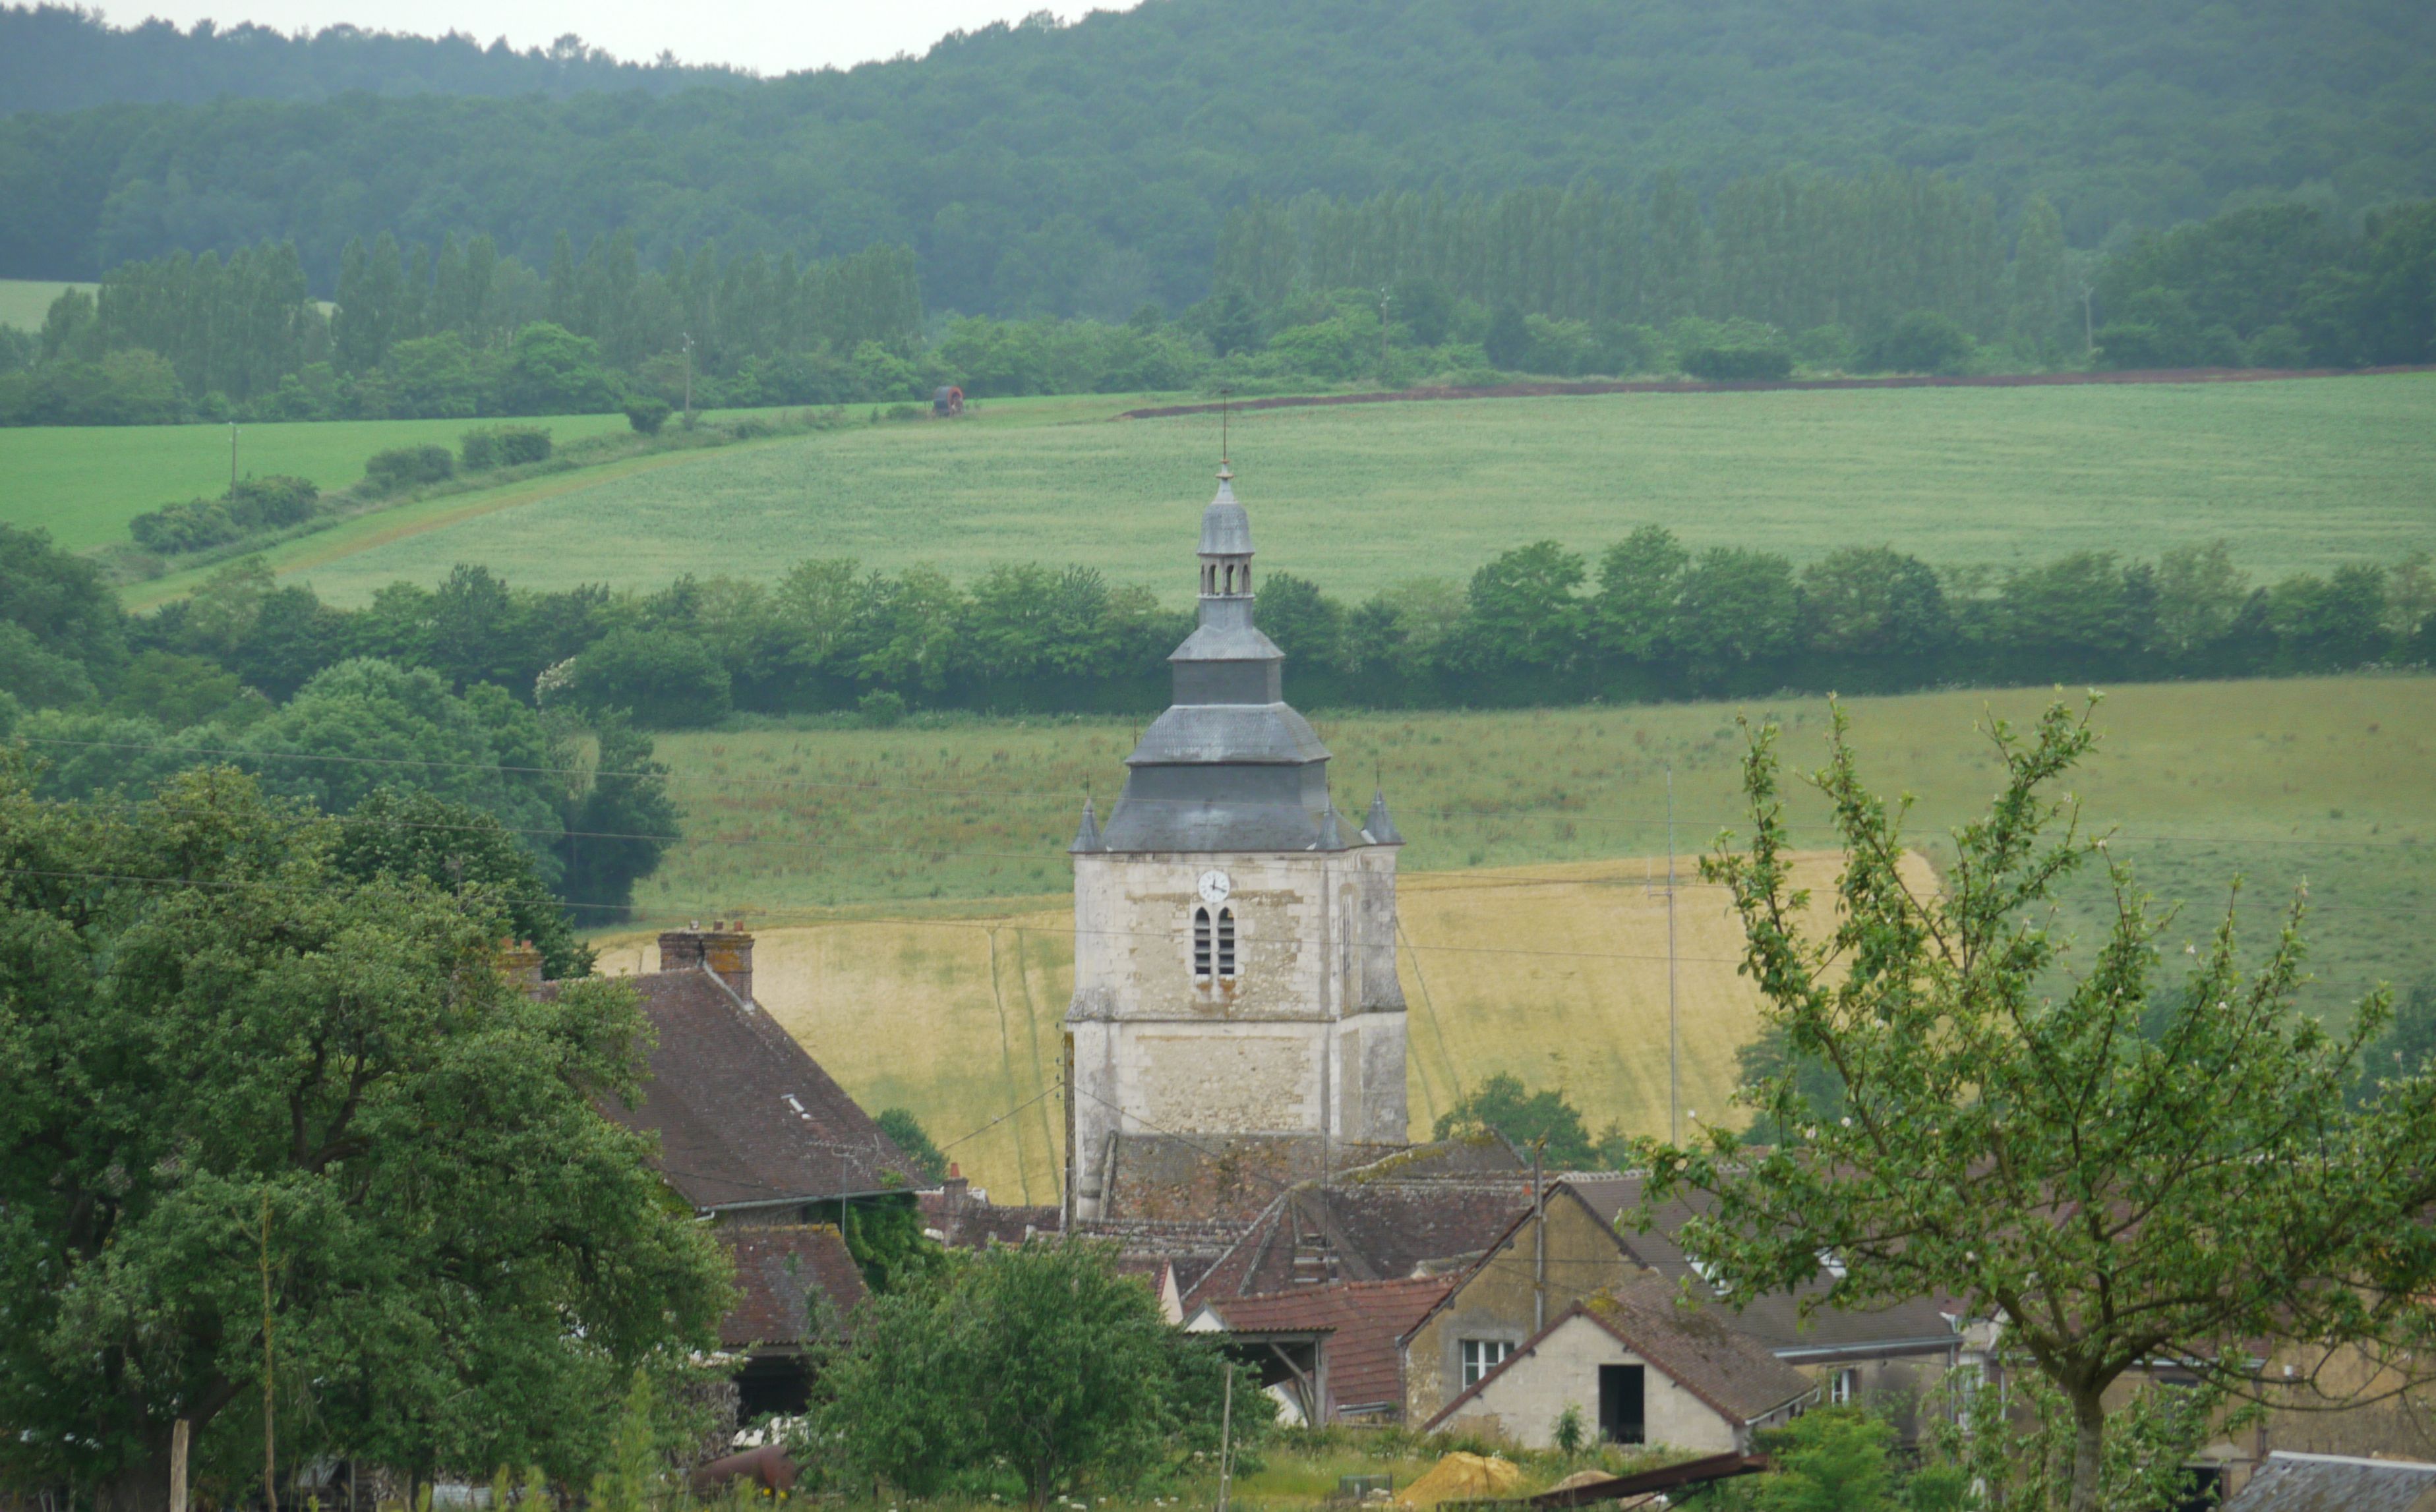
(1635, 1367)
(762, 1144)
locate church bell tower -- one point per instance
(1236, 1007)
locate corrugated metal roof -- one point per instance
(2334, 1483)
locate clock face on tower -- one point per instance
(1214, 887)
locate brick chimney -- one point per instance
(726, 953)
(521, 964)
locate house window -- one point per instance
(1846, 1387)
(1481, 1356)
(1226, 942)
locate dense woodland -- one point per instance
(1083, 169)
(66, 58)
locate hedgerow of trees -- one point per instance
(1896, 272)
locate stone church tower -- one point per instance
(1237, 1022)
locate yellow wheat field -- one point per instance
(1557, 974)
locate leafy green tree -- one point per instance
(1527, 1119)
(226, 1053)
(59, 622)
(1307, 625)
(365, 724)
(665, 679)
(552, 370)
(1042, 1358)
(2407, 1044)
(1523, 609)
(620, 820)
(1917, 341)
(1640, 577)
(410, 835)
(902, 1126)
(2011, 1138)
(1736, 607)
(1835, 1459)
(1874, 601)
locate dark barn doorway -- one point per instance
(1621, 1404)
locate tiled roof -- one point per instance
(966, 1221)
(1776, 1320)
(1699, 1348)
(1365, 1366)
(1377, 1231)
(744, 1114)
(2334, 1483)
(778, 1273)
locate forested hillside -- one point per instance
(66, 58)
(1085, 169)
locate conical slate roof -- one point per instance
(1088, 836)
(1230, 766)
(1379, 828)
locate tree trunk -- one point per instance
(2088, 1448)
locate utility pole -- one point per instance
(1539, 1239)
(1227, 1441)
(1383, 335)
(1674, 1032)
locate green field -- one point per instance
(2317, 779)
(83, 483)
(23, 302)
(2306, 472)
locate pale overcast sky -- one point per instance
(772, 36)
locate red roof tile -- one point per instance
(1365, 1366)
(779, 1272)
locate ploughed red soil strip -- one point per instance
(1535, 390)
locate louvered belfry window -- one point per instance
(1226, 942)
(1201, 943)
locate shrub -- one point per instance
(407, 466)
(882, 708)
(267, 503)
(256, 504)
(1921, 341)
(478, 451)
(1738, 364)
(646, 414)
(520, 444)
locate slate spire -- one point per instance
(1230, 766)
(1381, 829)
(1086, 838)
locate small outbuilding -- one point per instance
(1640, 1367)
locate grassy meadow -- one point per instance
(23, 302)
(2296, 473)
(913, 880)
(83, 483)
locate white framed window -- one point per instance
(1845, 1386)
(1481, 1356)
